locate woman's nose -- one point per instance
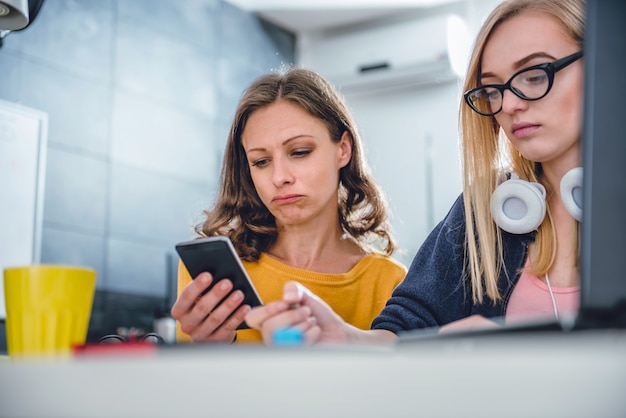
(281, 174)
(512, 103)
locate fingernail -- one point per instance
(205, 278)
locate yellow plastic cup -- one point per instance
(48, 308)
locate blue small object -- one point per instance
(288, 337)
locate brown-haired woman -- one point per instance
(298, 202)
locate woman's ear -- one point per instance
(345, 149)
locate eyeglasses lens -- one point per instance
(529, 85)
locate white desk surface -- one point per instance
(577, 374)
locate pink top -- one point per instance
(531, 300)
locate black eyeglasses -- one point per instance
(151, 337)
(531, 83)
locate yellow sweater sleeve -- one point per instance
(184, 278)
(357, 296)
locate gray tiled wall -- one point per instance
(140, 95)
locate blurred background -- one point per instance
(127, 104)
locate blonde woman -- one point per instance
(521, 116)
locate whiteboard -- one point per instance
(23, 139)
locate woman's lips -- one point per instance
(290, 198)
(523, 129)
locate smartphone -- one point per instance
(217, 255)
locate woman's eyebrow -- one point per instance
(285, 142)
(520, 63)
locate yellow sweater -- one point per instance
(357, 296)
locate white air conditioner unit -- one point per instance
(398, 55)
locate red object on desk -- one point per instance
(126, 348)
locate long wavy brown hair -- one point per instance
(240, 214)
(486, 152)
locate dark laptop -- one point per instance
(603, 231)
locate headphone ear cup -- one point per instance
(572, 192)
(518, 206)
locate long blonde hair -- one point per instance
(483, 152)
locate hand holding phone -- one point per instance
(217, 256)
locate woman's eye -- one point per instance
(493, 94)
(534, 77)
(260, 163)
(537, 79)
(301, 152)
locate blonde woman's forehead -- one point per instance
(529, 34)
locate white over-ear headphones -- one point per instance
(572, 192)
(518, 206)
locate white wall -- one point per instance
(411, 137)
(411, 144)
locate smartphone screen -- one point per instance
(217, 256)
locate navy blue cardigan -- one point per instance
(437, 289)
